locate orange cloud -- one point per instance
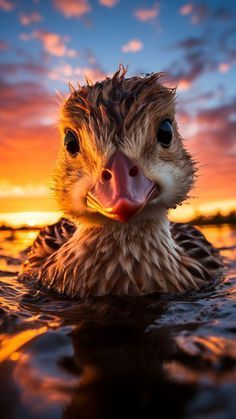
(28, 19)
(184, 84)
(6, 5)
(94, 74)
(133, 45)
(28, 138)
(53, 43)
(108, 3)
(147, 14)
(72, 8)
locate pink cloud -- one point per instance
(11, 69)
(72, 8)
(63, 73)
(31, 99)
(67, 73)
(224, 67)
(53, 43)
(108, 3)
(3, 46)
(198, 12)
(133, 45)
(186, 9)
(147, 14)
(28, 19)
(6, 5)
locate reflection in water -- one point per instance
(10, 344)
(113, 357)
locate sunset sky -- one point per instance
(46, 44)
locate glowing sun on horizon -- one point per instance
(29, 219)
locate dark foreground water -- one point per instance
(111, 357)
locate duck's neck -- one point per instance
(135, 258)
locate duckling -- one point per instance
(122, 166)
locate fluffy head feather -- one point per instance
(121, 113)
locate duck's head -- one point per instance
(123, 158)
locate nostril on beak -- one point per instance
(106, 175)
(133, 171)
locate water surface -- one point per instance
(157, 356)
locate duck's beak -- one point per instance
(122, 189)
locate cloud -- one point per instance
(28, 139)
(200, 11)
(195, 61)
(191, 42)
(147, 14)
(223, 13)
(211, 134)
(63, 73)
(28, 135)
(29, 102)
(28, 67)
(109, 3)
(224, 67)
(190, 68)
(4, 46)
(53, 43)
(6, 5)
(199, 100)
(197, 11)
(25, 36)
(72, 8)
(184, 83)
(67, 73)
(215, 129)
(25, 103)
(29, 18)
(94, 74)
(186, 9)
(134, 45)
(200, 55)
(8, 191)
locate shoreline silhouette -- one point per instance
(200, 220)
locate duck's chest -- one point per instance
(132, 263)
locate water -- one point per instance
(114, 357)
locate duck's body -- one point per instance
(170, 257)
(124, 166)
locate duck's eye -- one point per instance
(71, 143)
(165, 133)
